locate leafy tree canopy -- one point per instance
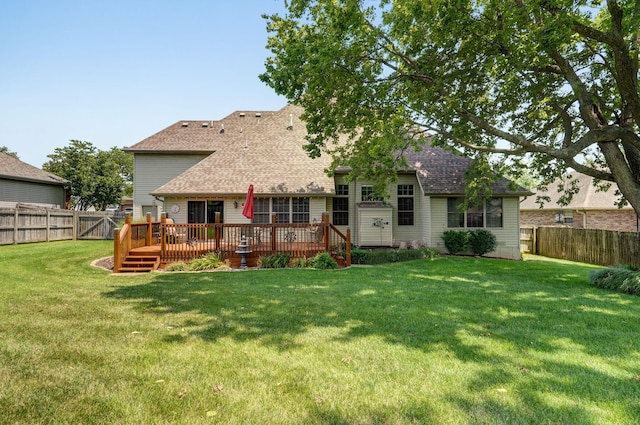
(96, 178)
(6, 150)
(550, 84)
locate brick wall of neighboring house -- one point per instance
(620, 220)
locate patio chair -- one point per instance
(172, 233)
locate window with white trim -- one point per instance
(489, 214)
(405, 205)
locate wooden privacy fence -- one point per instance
(593, 246)
(19, 225)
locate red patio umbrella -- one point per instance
(247, 211)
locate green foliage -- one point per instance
(323, 261)
(96, 178)
(210, 261)
(482, 241)
(275, 261)
(383, 256)
(300, 263)
(6, 150)
(179, 266)
(540, 86)
(456, 241)
(621, 278)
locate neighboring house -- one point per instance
(21, 183)
(589, 208)
(194, 170)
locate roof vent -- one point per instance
(221, 128)
(185, 124)
(258, 114)
(205, 124)
(242, 114)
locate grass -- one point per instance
(442, 341)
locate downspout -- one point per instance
(584, 218)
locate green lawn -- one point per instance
(443, 341)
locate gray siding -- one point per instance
(14, 191)
(508, 235)
(154, 170)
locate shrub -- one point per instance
(360, 256)
(323, 261)
(456, 241)
(430, 252)
(207, 262)
(299, 263)
(482, 241)
(621, 278)
(382, 256)
(180, 266)
(275, 261)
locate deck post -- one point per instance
(127, 220)
(347, 258)
(217, 230)
(116, 250)
(163, 234)
(325, 230)
(273, 233)
(147, 239)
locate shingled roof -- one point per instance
(440, 172)
(263, 149)
(13, 169)
(202, 136)
(588, 198)
(266, 149)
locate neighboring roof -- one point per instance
(201, 136)
(266, 152)
(14, 169)
(588, 198)
(441, 172)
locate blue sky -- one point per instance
(115, 72)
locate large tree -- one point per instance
(549, 85)
(96, 178)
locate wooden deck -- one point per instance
(173, 242)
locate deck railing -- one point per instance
(184, 242)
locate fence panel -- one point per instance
(593, 246)
(26, 225)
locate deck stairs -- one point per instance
(140, 264)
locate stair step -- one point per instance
(140, 263)
(135, 269)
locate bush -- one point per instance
(323, 261)
(299, 263)
(456, 241)
(482, 241)
(275, 261)
(430, 252)
(180, 266)
(382, 256)
(206, 262)
(620, 278)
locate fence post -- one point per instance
(48, 224)
(16, 218)
(76, 225)
(534, 240)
